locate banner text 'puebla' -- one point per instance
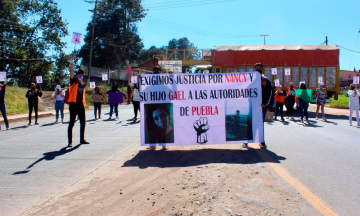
(191, 109)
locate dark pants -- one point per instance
(112, 107)
(136, 105)
(281, 107)
(128, 97)
(77, 110)
(264, 111)
(97, 109)
(33, 105)
(3, 112)
(304, 109)
(290, 108)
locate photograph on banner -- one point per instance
(133, 79)
(92, 85)
(39, 79)
(355, 80)
(2, 76)
(287, 71)
(159, 126)
(104, 77)
(320, 79)
(76, 38)
(208, 108)
(277, 82)
(273, 71)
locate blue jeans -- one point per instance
(3, 112)
(112, 106)
(304, 109)
(59, 106)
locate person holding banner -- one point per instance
(77, 103)
(353, 104)
(33, 95)
(304, 97)
(2, 104)
(114, 106)
(98, 99)
(129, 93)
(136, 97)
(290, 100)
(320, 100)
(280, 100)
(59, 97)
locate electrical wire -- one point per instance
(345, 48)
(39, 59)
(354, 48)
(187, 5)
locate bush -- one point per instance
(103, 89)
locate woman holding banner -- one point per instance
(136, 97)
(98, 99)
(113, 106)
(304, 97)
(33, 95)
(353, 104)
(2, 105)
(320, 100)
(59, 97)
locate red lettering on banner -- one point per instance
(177, 95)
(204, 110)
(232, 78)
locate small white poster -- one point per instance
(277, 82)
(92, 85)
(39, 79)
(133, 79)
(104, 77)
(273, 71)
(76, 38)
(320, 79)
(2, 76)
(356, 80)
(287, 71)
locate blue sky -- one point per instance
(208, 23)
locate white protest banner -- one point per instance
(192, 109)
(273, 71)
(320, 79)
(277, 82)
(355, 80)
(104, 77)
(133, 79)
(92, 85)
(287, 71)
(76, 38)
(2, 76)
(39, 79)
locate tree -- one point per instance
(30, 38)
(116, 40)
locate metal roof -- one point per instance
(275, 47)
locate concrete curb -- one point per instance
(337, 106)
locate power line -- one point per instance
(345, 48)
(354, 48)
(39, 59)
(188, 5)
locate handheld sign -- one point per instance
(104, 77)
(129, 70)
(92, 85)
(320, 79)
(273, 71)
(39, 79)
(287, 71)
(133, 79)
(355, 80)
(76, 38)
(277, 82)
(301, 82)
(2, 76)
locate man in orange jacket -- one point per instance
(77, 103)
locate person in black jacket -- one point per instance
(2, 104)
(33, 95)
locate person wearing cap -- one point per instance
(320, 100)
(77, 103)
(280, 100)
(2, 104)
(33, 95)
(59, 97)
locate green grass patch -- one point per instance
(103, 89)
(343, 100)
(16, 102)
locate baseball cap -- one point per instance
(58, 87)
(157, 67)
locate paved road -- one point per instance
(34, 165)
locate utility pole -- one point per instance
(264, 37)
(326, 40)
(92, 42)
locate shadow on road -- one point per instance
(49, 124)
(49, 156)
(178, 158)
(20, 127)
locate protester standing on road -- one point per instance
(2, 105)
(114, 88)
(280, 100)
(303, 105)
(33, 95)
(77, 102)
(129, 93)
(290, 101)
(136, 97)
(353, 104)
(320, 100)
(98, 99)
(267, 92)
(59, 97)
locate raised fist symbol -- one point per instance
(201, 126)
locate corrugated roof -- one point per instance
(275, 47)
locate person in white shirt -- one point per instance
(353, 104)
(59, 97)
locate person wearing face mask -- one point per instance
(114, 106)
(280, 100)
(98, 99)
(320, 100)
(290, 101)
(267, 93)
(59, 97)
(3, 106)
(136, 97)
(33, 95)
(303, 101)
(77, 103)
(353, 104)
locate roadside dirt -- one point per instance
(185, 180)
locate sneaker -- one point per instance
(69, 145)
(109, 118)
(282, 119)
(152, 148)
(56, 121)
(36, 123)
(62, 121)
(324, 119)
(84, 142)
(302, 120)
(350, 124)
(164, 148)
(307, 121)
(9, 128)
(29, 123)
(317, 118)
(287, 117)
(245, 145)
(117, 118)
(292, 118)
(262, 145)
